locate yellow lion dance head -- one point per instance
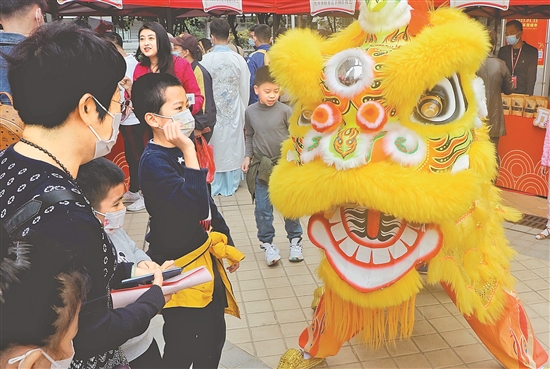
(389, 156)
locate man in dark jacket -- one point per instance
(520, 58)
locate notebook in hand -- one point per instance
(126, 296)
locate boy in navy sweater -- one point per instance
(185, 224)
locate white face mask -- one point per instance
(103, 147)
(112, 221)
(60, 364)
(185, 118)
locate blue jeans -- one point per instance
(263, 212)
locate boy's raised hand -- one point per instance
(174, 135)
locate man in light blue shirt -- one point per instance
(19, 18)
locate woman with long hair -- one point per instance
(155, 56)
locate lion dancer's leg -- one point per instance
(317, 342)
(511, 339)
(320, 340)
(338, 319)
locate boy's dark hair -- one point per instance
(263, 33)
(164, 48)
(252, 28)
(114, 38)
(97, 177)
(69, 59)
(515, 23)
(219, 28)
(148, 93)
(263, 76)
(13, 8)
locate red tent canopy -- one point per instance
(524, 8)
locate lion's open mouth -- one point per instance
(370, 249)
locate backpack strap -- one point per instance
(32, 207)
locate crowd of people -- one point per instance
(64, 248)
(63, 244)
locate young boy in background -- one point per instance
(266, 126)
(102, 182)
(185, 225)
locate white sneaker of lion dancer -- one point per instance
(296, 250)
(272, 256)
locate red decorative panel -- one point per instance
(520, 153)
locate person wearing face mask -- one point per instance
(185, 225)
(65, 129)
(102, 182)
(19, 18)
(251, 43)
(520, 58)
(187, 47)
(259, 58)
(57, 350)
(155, 55)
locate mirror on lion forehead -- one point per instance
(349, 71)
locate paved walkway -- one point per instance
(275, 302)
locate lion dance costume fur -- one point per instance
(389, 153)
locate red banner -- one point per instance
(534, 33)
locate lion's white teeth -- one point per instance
(398, 249)
(409, 236)
(364, 255)
(380, 256)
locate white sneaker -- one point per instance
(296, 250)
(272, 256)
(131, 196)
(138, 205)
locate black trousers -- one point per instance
(135, 138)
(150, 359)
(194, 336)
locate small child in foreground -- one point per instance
(266, 126)
(103, 184)
(185, 225)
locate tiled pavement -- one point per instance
(275, 302)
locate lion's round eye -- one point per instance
(431, 105)
(443, 103)
(305, 118)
